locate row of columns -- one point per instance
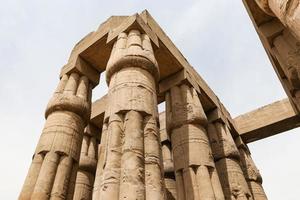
(193, 159)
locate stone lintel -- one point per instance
(98, 111)
(270, 30)
(93, 130)
(176, 79)
(164, 136)
(267, 121)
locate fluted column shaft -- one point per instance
(227, 157)
(194, 167)
(87, 164)
(53, 170)
(287, 11)
(133, 167)
(250, 170)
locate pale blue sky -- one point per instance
(216, 36)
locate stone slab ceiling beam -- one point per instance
(267, 121)
(52, 173)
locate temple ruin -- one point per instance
(121, 147)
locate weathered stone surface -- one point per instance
(227, 159)
(250, 171)
(287, 11)
(133, 166)
(134, 161)
(87, 163)
(193, 160)
(232, 179)
(54, 166)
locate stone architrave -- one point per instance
(287, 11)
(227, 157)
(250, 170)
(133, 167)
(52, 173)
(87, 164)
(194, 167)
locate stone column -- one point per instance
(133, 167)
(251, 172)
(194, 167)
(87, 164)
(227, 157)
(100, 163)
(287, 11)
(169, 176)
(52, 173)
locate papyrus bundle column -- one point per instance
(167, 158)
(133, 167)
(227, 159)
(287, 11)
(251, 172)
(54, 166)
(100, 163)
(87, 164)
(196, 177)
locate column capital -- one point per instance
(79, 65)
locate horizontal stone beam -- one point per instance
(173, 66)
(98, 111)
(267, 121)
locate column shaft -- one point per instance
(51, 175)
(226, 156)
(133, 166)
(193, 161)
(251, 172)
(87, 164)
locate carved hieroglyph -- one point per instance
(251, 172)
(196, 177)
(54, 166)
(287, 11)
(132, 166)
(227, 158)
(87, 164)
